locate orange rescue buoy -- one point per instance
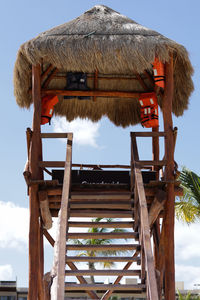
(149, 110)
(47, 110)
(159, 73)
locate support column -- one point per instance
(169, 176)
(35, 157)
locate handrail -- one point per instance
(144, 229)
(58, 271)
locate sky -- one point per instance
(101, 142)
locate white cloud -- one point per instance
(189, 274)
(6, 272)
(187, 241)
(14, 224)
(85, 131)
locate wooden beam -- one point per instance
(169, 176)
(104, 247)
(104, 235)
(103, 259)
(156, 150)
(95, 84)
(142, 82)
(118, 287)
(119, 224)
(103, 272)
(92, 294)
(145, 230)
(153, 133)
(49, 78)
(60, 247)
(45, 73)
(35, 156)
(118, 94)
(53, 135)
(156, 206)
(44, 208)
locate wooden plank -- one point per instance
(119, 224)
(149, 133)
(44, 209)
(103, 272)
(35, 156)
(103, 259)
(100, 196)
(145, 230)
(81, 279)
(104, 247)
(60, 247)
(142, 82)
(104, 235)
(49, 78)
(156, 151)
(48, 69)
(151, 162)
(89, 213)
(118, 94)
(95, 83)
(53, 135)
(102, 166)
(117, 287)
(169, 175)
(109, 205)
(118, 279)
(156, 206)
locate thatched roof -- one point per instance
(102, 39)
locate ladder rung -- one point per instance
(102, 259)
(101, 224)
(152, 162)
(99, 196)
(149, 134)
(103, 272)
(117, 287)
(100, 213)
(105, 235)
(104, 247)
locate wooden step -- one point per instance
(102, 259)
(103, 273)
(122, 247)
(119, 224)
(100, 213)
(98, 196)
(104, 235)
(94, 204)
(117, 287)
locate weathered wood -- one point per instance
(156, 206)
(44, 208)
(57, 291)
(89, 213)
(103, 259)
(142, 82)
(48, 69)
(103, 272)
(82, 280)
(155, 150)
(49, 78)
(53, 135)
(169, 175)
(104, 235)
(104, 247)
(119, 224)
(100, 196)
(149, 133)
(118, 279)
(92, 166)
(92, 294)
(151, 162)
(35, 156)
(118, 94)
(117, 287)
(94, 204)
(145, 230)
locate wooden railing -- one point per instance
(58, 271)
(148, 274)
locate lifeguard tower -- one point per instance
(103, 64)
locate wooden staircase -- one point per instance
(134, 209)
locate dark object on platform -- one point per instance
(101, 177)
(77, 81)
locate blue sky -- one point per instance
(104, 143)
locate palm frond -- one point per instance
(186, 210)
(191, 184)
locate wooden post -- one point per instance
(169, 176)
(35, 157)
(155, 148)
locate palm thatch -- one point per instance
(104, 40)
